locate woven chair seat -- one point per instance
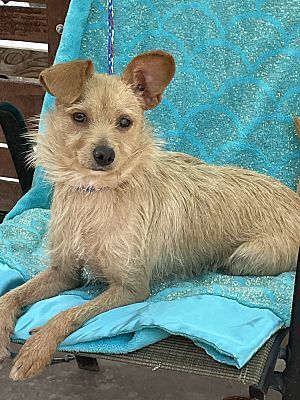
(180, 354)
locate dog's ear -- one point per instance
(149, 74)
(66, 81)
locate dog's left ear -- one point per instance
(66, 81)
(149, 74)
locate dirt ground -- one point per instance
(117, 381)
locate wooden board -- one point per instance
(7, 168)
(10, 193)
(25, 63)
(32, 1)
(23, 23)
(25, 94)
(56, 14)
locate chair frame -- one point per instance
(286, 382)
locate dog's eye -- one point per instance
(79, 117)
(140, 88)
(124, 122)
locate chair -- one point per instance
(176, 353)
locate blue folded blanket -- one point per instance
(232, 102)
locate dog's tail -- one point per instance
(297, 126)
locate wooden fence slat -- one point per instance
(32, 1)
(56, 13)
(7, 167)
(25, 63)
(25, 94)
(23, 23)
(10, 193)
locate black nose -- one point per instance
(104, 155)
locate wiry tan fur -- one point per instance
(154, 214)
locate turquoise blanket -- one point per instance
(231, 102)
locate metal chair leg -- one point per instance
(87, 363)
(291, 375)
(256, 393)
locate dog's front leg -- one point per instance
(37, 352)
(44, 285)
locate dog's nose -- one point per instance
(104, 155)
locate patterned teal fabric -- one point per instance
(235, 92)
(237, 83)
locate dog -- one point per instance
(134, 213)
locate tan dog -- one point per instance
(134, 213)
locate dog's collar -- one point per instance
(91, 188)
(87, 188)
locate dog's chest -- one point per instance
(95, 227)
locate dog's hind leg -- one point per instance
(263, 255)
(44, 285)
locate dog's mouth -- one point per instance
(93, 169)
(101, 169)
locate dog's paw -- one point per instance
(6, 330)
(33, 357)
(4, 354)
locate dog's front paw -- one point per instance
(4, 343)
(34, 356)
(4, 353)
(6, 329)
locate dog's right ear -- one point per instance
(66, 81)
